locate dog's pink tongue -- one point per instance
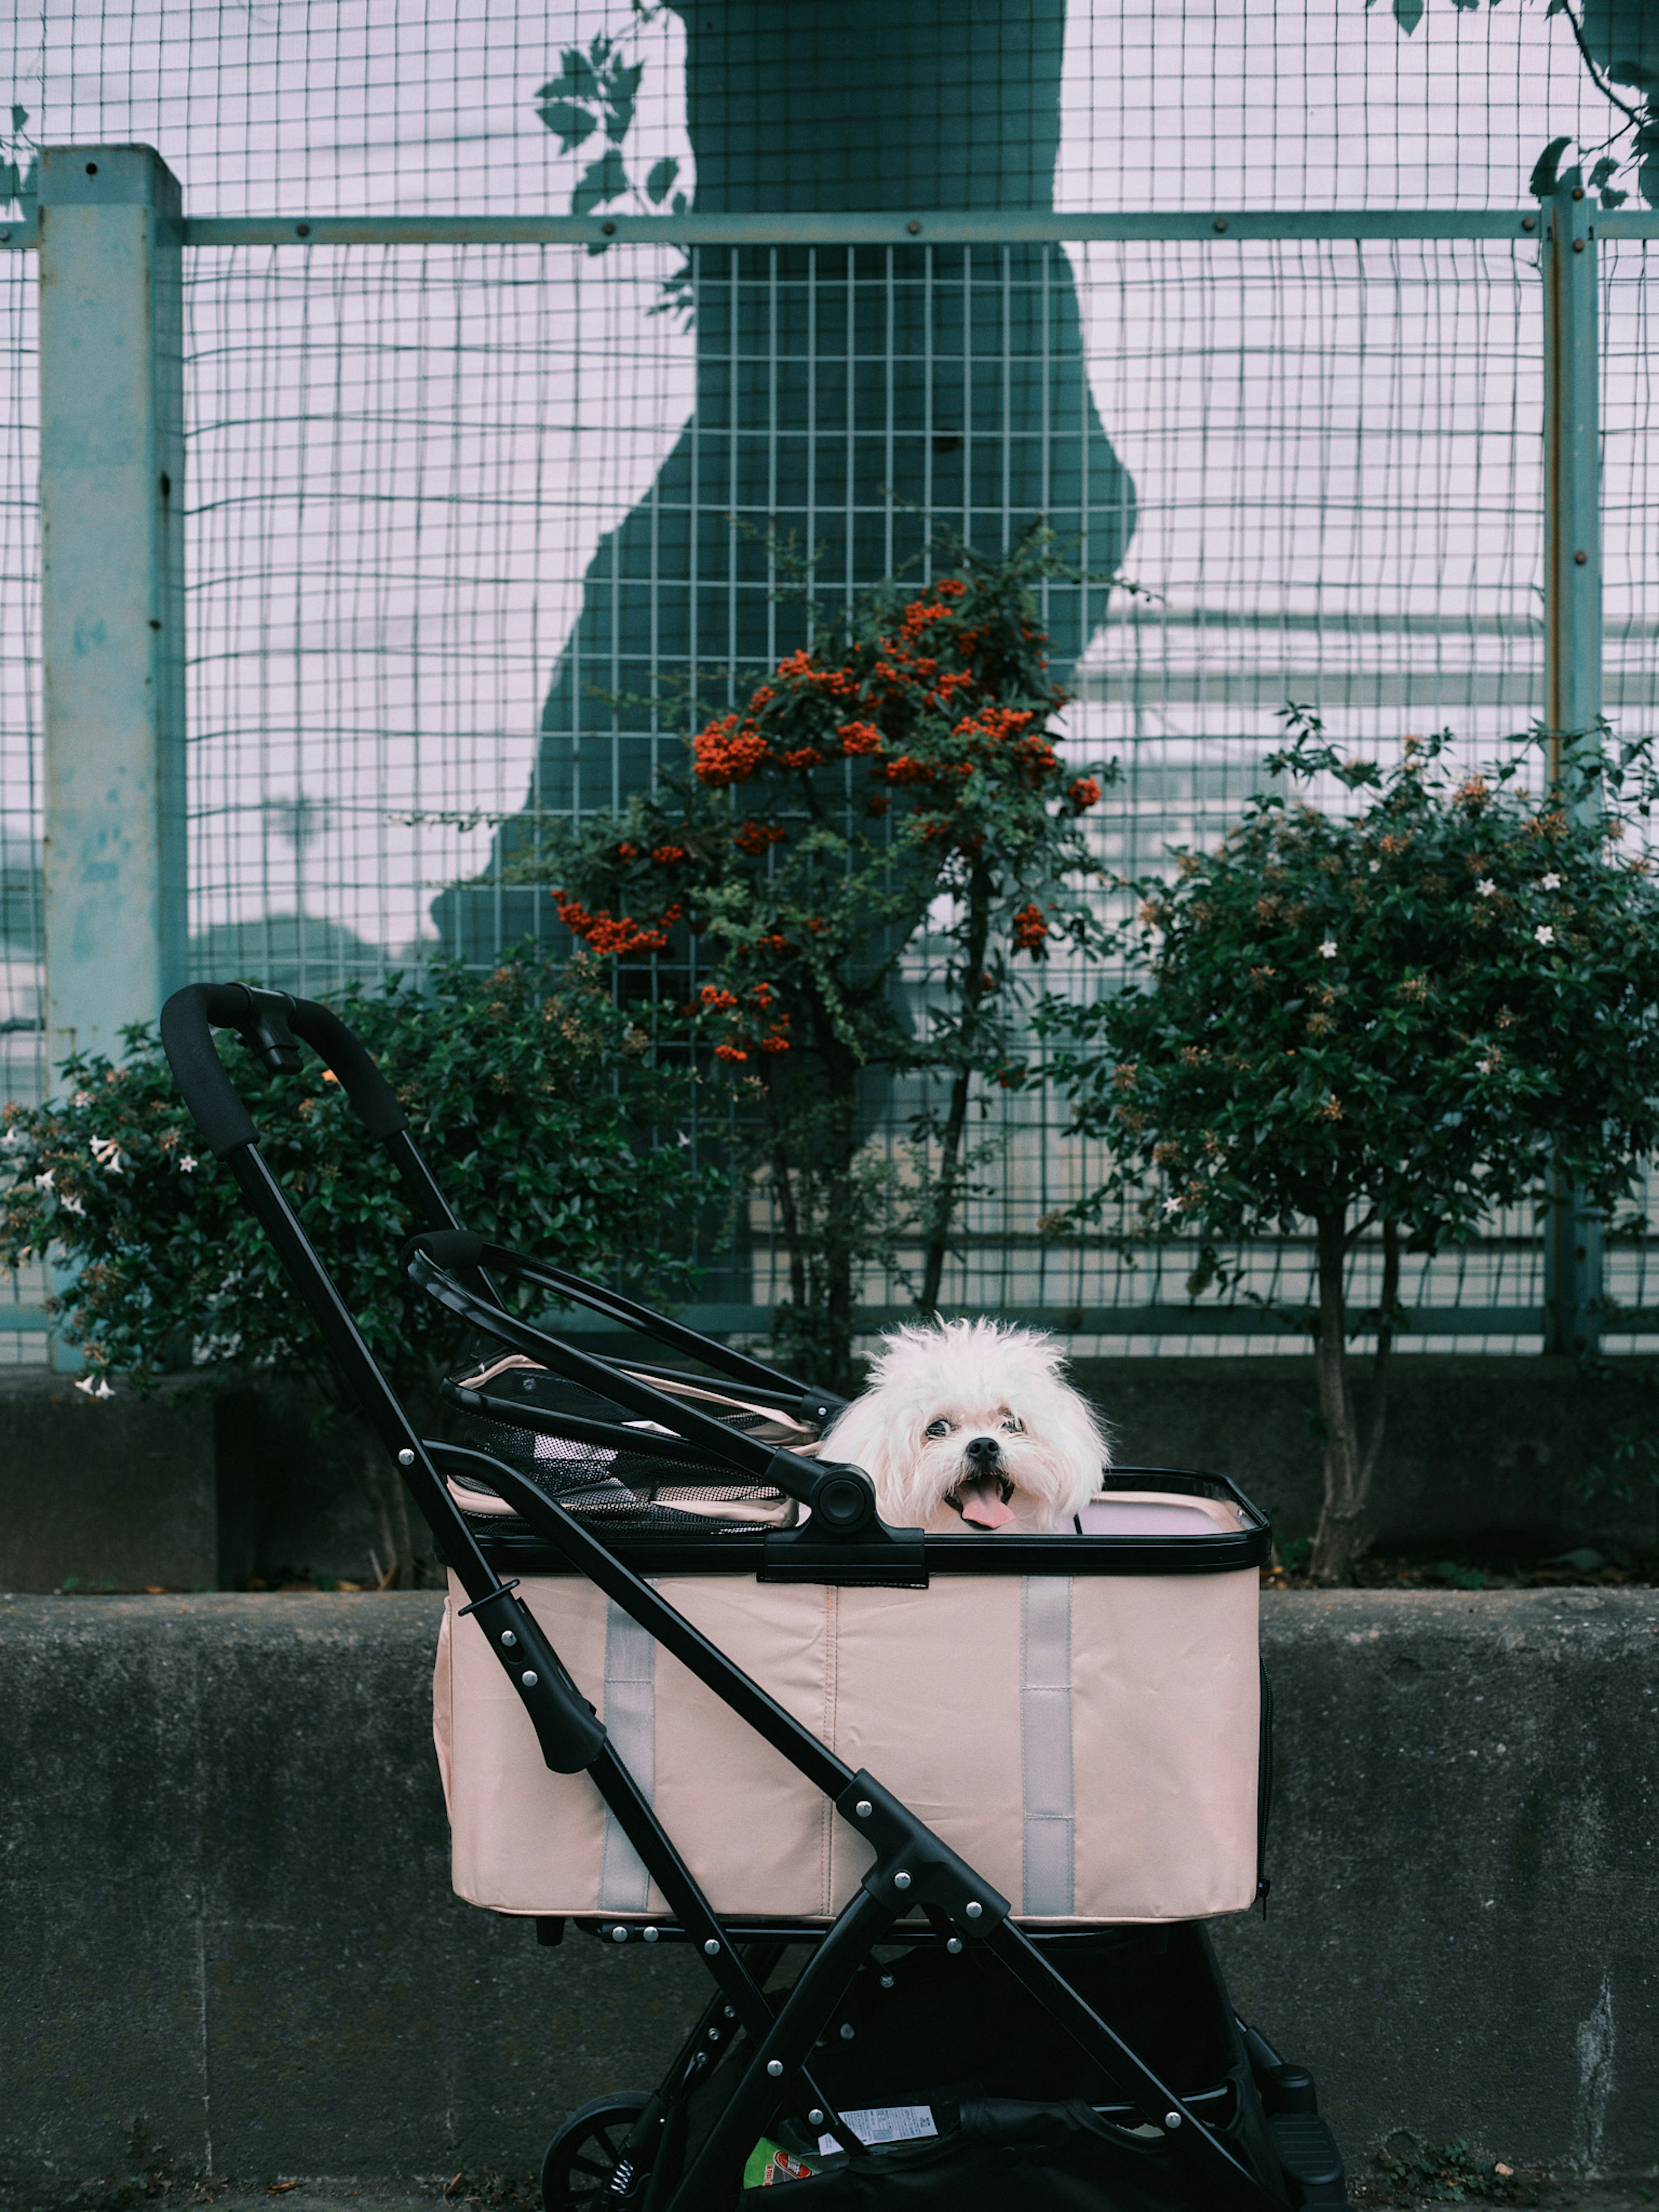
(981, 1504)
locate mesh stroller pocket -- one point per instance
(999, 2154)
(620, 1492)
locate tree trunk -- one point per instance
(840, 1232)
(947, 1189)
(1341, 1537)
(385, 1489)
(783, 1191)
(810, 1148)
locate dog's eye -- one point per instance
(937, 1429)
(1013, 1421)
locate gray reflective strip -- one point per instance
(1045, 1724)
(630, 1722)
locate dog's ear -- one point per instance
(860, 1438)
(1083, 1438)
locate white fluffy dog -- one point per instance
(970, 1425)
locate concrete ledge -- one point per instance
(225, 1903)
(200, 1487)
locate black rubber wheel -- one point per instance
(583, 2157)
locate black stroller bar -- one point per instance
(842, 1499)
(765, 1382)
(914, 1868)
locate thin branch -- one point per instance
(1358, 1230)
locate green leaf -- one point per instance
(1408, 14)
(1542, 182)
(620, 93)
(602, 180)
(577, 79)
(662, 176)
(19, 116)
(569, 123)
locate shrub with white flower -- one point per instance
(537, 1100)
(1391, 1020)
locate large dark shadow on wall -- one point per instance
(850, 401)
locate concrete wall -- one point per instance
(1478, 1450)
(224, 1903)
(119, 1490)
(188, 1489)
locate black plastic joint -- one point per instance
(912, 1866)
(266, 1033)
(1288, 2089)
(489, 1597)
(569, 1731)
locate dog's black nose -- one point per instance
(981, 1452)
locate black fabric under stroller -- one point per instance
(1042, 2023)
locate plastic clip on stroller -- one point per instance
(1056, 2036)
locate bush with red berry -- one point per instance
(897, 780)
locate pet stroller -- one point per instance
(692, 1690)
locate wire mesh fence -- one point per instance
(468, 525)
(390, 107)
(442, 496)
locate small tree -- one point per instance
(899, 773)
(541, 1107)
(1396, 1020)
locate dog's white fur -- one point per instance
(983, 1379)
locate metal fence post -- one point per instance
(112, 595)
(1572, 653)
(111, 590)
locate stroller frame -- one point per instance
(846, 1542)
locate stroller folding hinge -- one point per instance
(570, 1733)
(913, 1867)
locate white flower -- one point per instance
(1489, 1067)
(1543, 934)
(13, 1137)
(95, 1387)
(1376, 865)
(44, 1181)
(187, 1163)
(1484, 888)
(1328, 950)
(1550, 883)
(68, 1205)
(106, 1150)
(1172, 1204)
(82, 1098)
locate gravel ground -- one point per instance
(517, 2193)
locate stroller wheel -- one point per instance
(580, 2162)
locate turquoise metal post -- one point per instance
(112, 527)
(1572, 652)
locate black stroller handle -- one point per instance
(271, 1023)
